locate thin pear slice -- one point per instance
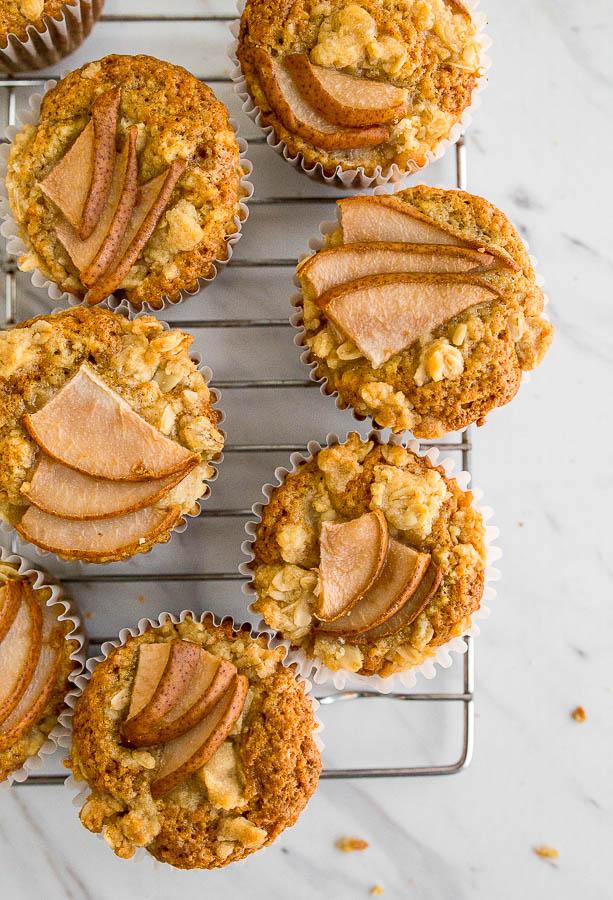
(399, 579)
(67, 184)
(93, 256)
(152, 660)
(10, 601)
(188, 753)
(384, 314)
(192, 683)
(89, 427)
(346, 99)
(105, 111)
(19, 652)
(352, 555)
(338, 265)
(299, 117)
(409, 611)
(42, 681)
(69, 494)
(97, 540)
(388, 218)
(153, 200)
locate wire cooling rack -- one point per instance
(21, 301)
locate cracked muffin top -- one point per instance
(16, 15)
(422, 310)
(36, 665)
(216, 792)
(369, 558)
(129, 185)
(107, 432)
(360, 84)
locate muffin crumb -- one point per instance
(351, 844)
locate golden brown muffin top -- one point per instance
(16, 15)
(29, 743)
(423, 508)
(271, 763)
(428, 46)
(177, 118)
(471, 364)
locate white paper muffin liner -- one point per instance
(56, 39)
(296, 318)
(59, 736)
(357, 178)
(80, 789)
(313, 668)
(16, 246)
(183, 522)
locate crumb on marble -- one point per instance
(546, 852)
(350, 844)
(87, 615)
(142, 599)
(578, 714)
(376, 890)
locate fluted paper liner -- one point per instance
(79, 789)
(313, 668)
(16, 246)
(296, 318)
(182, 522)
(59, 736)
(56, 39)
(357, 178)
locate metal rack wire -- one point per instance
(463, 698)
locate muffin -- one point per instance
(129, 184)
(360, 86)
(196, 743)
(37, 33)
(422, 310)
(367, 558)
(107, 433)
(36, 661)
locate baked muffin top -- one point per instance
(86, 393)
(255, 784)
(423, 309)
(156, 143)
(426, 50)
(308, 571)
(36, 665)
(16, 15)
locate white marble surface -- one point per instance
(539, 148)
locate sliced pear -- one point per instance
(399, 579)
(42, 681)
(337, 265)
(153, 200)
(152, 660)
(89, 427)
(70, 494)
(192, 683)
(346, 99)
(67, 184)
(105, 111)
(408, 612)
(384, 314)
(352, 555)
(19, 652)
(299, 117)
(388, 218)
(188, 753)
(98, 540)
(10, 601)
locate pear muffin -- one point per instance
(108, 432)
(196, 743)
(365, 84)
(129, 184)
(36, 665)
(368, 558)
(37, 33)
(422, 310)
